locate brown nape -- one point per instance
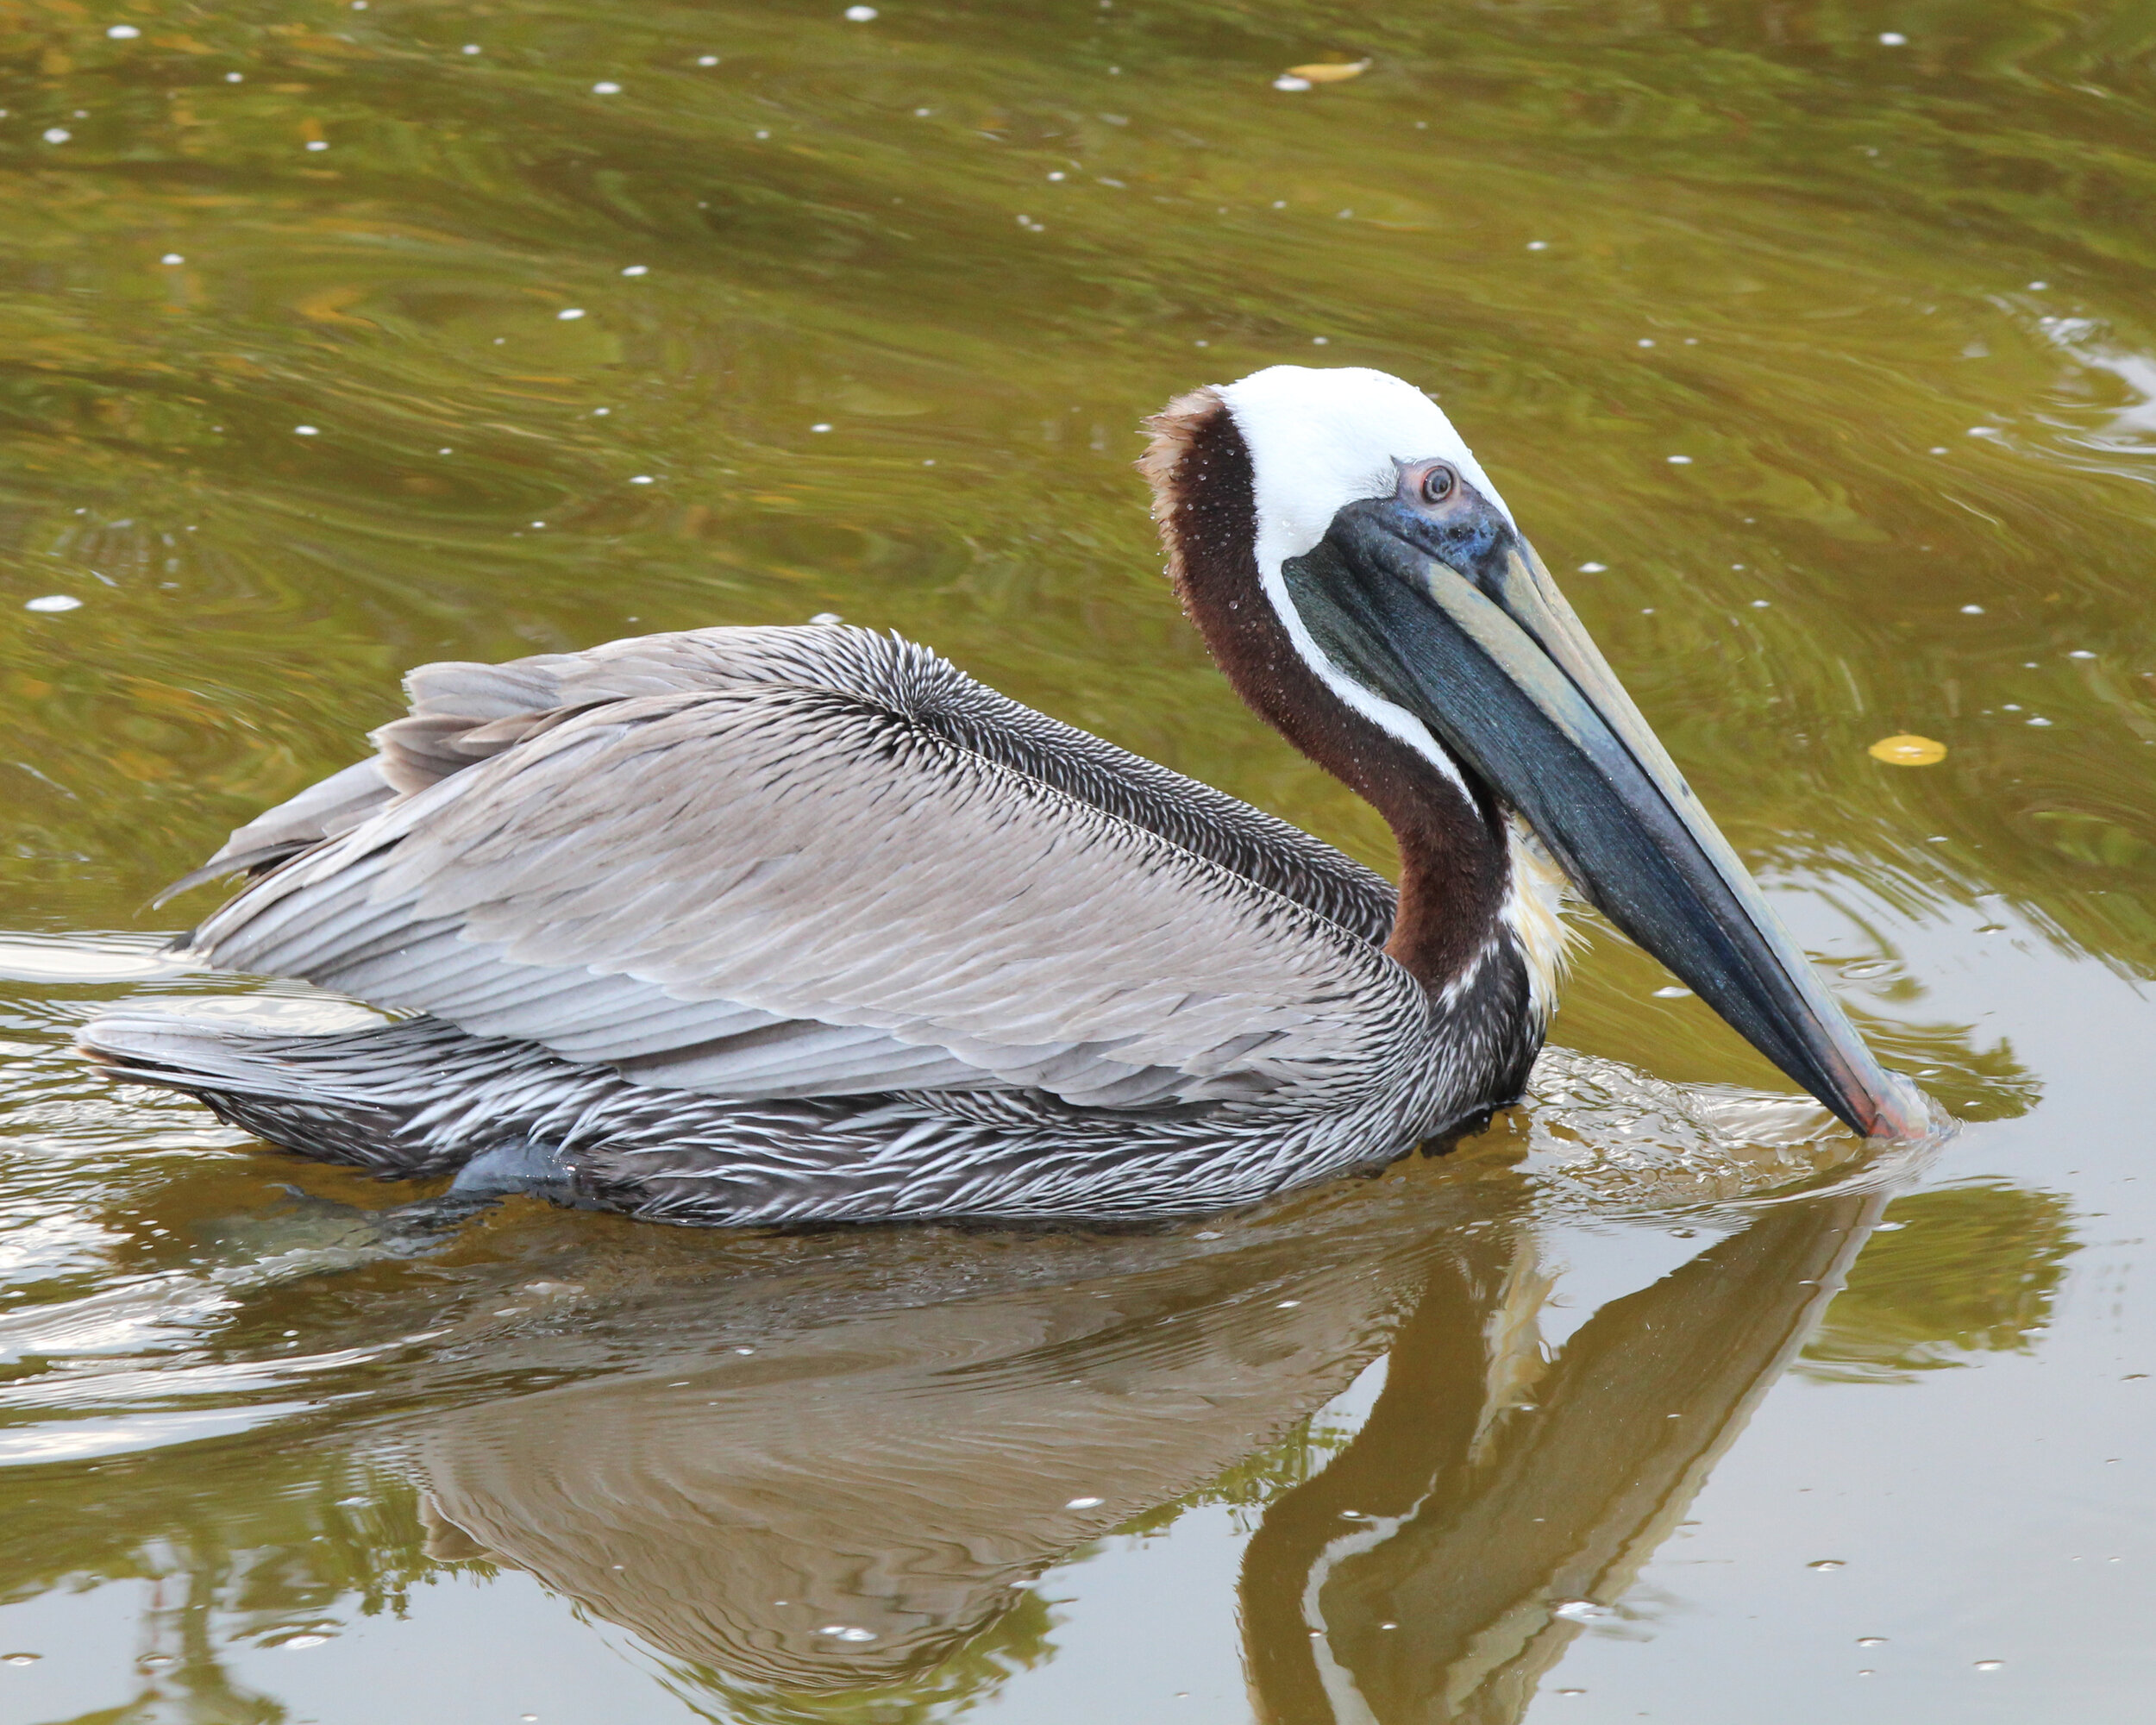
(1453, 860)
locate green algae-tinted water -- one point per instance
(1812, 346)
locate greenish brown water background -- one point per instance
(607, 318)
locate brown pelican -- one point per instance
(783, 925)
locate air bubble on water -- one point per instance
(642, 479)
(1938, 449)
(2081, 653)
(826, 617)
(636, 269)
(123, 33)
(1892, 39)
(1873, 1641)
(1826, 1563)
(316, 144)
(57, 134)
(1762, 604)
(861, 14)
(1972, 611)
(19, 1658)
(1320, 340)
(1578, 1610)
(175, 258)
(1646, 341)
(1085, 1503)
(707, 59)
(1674, 992)
(303, 1641)
(445, 451)
(52, 602)
(1680, 461)
(1990, 1665)
(1593, 569)
(234, 78)
(1538, 245)
(569, 314)
(472, 48)
(760, 134)
(605, 87)
(847, 1632)
(306, 431)
(1286, 1305)
(1290, 83)
(819, 426)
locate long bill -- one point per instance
(1497, 665)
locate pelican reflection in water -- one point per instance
(802, 1503)
(744, 926)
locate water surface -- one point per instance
(1811, 346)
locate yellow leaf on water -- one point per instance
(1907, 751)
(1330, 71)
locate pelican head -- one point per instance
(1365, 587)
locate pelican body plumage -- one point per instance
(785, 925)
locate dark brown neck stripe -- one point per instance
(1454, 867)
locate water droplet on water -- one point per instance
(1085, 1503)
(1990, 1665)
(52, 602)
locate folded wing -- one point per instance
(783, 885)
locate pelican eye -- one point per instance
(1428, 483)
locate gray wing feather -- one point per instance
(773, 862)
(464, 713)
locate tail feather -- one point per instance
(349, 1098)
